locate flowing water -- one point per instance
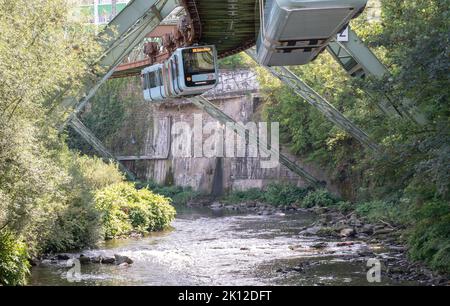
(207, 247)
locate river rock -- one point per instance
(84, 260)
(320, 210)
(347, 232)
(383, 231)
(216, 205)
(343, 244)
(295, 247)
(62, 257)
(311, 231)
(121, 259)
(366, 229)
(319, 245)
(96, 260)
(108, 260)
(327, 232)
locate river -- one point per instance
(213, 247)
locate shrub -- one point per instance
(179, 195)
(77, 223)
(14, 266)
(319, 197)
(284, 194)
(125, 209)
(430, 239)
(393, 212)
(345, 206)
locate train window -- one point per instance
(198, 61)
(146, 81)
(152, 79)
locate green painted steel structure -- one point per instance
(231, 25)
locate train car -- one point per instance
(294, 32)
(188, 72)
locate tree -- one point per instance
(42, 52)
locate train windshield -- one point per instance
(198, 61)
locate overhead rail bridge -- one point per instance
(148, 31)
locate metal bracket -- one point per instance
(358, 61)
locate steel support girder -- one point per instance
(359, 52)
(223, 118)
(121, 36)
(287, 77)
(90, 138)
(358, 61)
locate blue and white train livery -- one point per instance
(188, 72)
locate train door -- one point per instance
(162, 91)
(154, 85)
(178, 75)
(145, 85)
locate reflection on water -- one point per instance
(207, 247)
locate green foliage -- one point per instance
(395, 213)
(253, 194)
(430, 238)
(345, 206)
(284, 194)
(179, 195)
(108, 111)
(14, 266)
(280, 194)
(320, 198)
(125, 209)
(77, 223)
(43, 52)
(237, 61)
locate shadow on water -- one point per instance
(216, 247)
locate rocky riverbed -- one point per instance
(385, 240)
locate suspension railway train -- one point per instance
(188, 72)
(293, 32)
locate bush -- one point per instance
(77, 224)
(240, 196)
(345, 206)
(430, 239)
(374, 211)
(319, 197)
(124, 209)
(14, 266)
(179, 195)
(284, 194)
